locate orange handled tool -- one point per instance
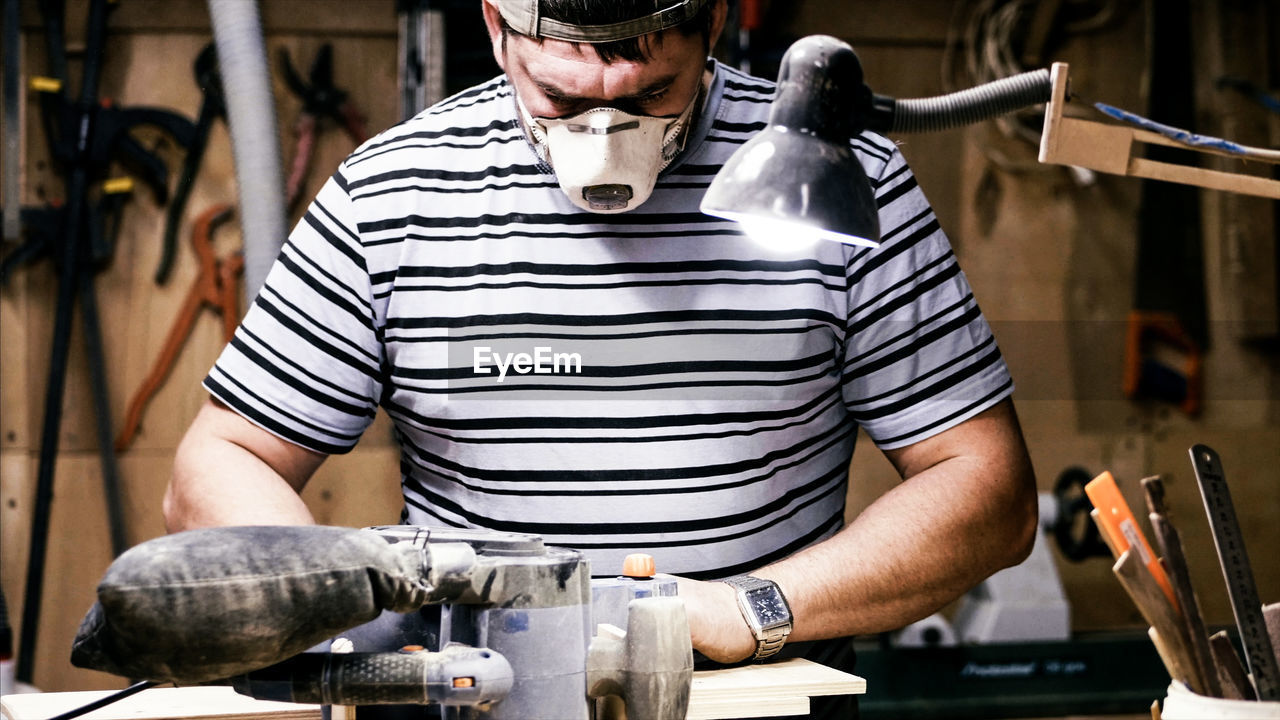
(1116, 520)
(1149, 336)
(214, 288)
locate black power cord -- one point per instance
(105, 701)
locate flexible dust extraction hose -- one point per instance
(963, 107)
(255, 143)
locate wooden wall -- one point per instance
(149, 56)
(1050, 261)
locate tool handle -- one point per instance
(305, 130)
(177, 207)
(1117, 522)
(178, 333)
(1235, 683)
(458, 675)
(353, 121)
(1150, 601)
(1145, 375)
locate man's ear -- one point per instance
(493, 22)
(719, 12)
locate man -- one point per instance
(568, 347)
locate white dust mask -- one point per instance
(607, 160)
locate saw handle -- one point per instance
(457, 675)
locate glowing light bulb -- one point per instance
(780, 234)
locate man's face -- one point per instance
(555, 78)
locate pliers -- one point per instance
(320, 99)
(215, 288)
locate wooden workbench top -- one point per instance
(775, 689)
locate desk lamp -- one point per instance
(799, 179)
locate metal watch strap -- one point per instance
(773, 638)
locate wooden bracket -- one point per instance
(1110, 148)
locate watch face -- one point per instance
(768, 606)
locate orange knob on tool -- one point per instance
(638, 565)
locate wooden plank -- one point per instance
(15, 371)
(776, 707)
(1111, 149)
(79, 552)
(1175, 664)
(221, 703)
(1231, 675)
(751, 685)
(17, 496)
(1159, 613)
(1201, 177)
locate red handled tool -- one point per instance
(320, 99)
(215, 288)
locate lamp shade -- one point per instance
(799, 177)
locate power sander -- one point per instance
(461, 623)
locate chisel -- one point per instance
(1116, 520)
(1175, 563)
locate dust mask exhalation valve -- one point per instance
(607, 160)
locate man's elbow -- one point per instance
(173, 508)
(170, 509)
(1024, 516)
(176, 506)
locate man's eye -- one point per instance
(653, 98)
(558, 102)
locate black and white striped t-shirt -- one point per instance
(650, 381)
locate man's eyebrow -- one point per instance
(659, 84)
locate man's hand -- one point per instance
(716, 625)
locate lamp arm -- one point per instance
(964, 107)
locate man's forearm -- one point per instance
(904, 557)
(966, 509)
(911, 552)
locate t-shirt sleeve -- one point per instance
(919, 356)
(305, 363)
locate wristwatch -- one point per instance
(765, 610)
